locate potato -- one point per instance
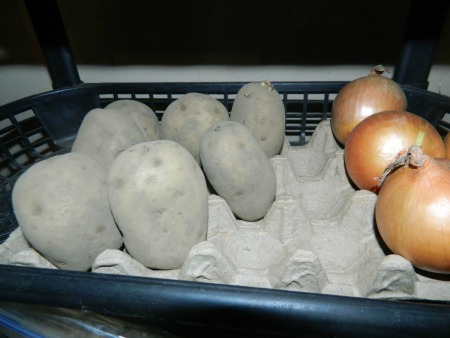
(159, 199)
(105, 133)
(142, 115)
(259, 107)
(61, 205)
(238, 169)
(186, 119)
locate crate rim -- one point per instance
(310, 87)
(150, 298)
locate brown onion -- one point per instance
(363, 97)
(413, 213)
(383, 138)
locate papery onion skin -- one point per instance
(413, 214)
(380, 139)
(361, 98)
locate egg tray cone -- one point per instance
(318, 236)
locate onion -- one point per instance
(383, 138)
(413, 212)
(447, 145)
(363, 97)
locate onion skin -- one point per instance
(380, 139)
(413, 214)
(361, 98)
(447, 145)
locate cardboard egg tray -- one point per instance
(319, 236)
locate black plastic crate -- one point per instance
(43, 125)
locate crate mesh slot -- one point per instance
(142, 96)
(219, 97)
(160, 96)
(125, 96)
(176, 96)
(106, 96)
